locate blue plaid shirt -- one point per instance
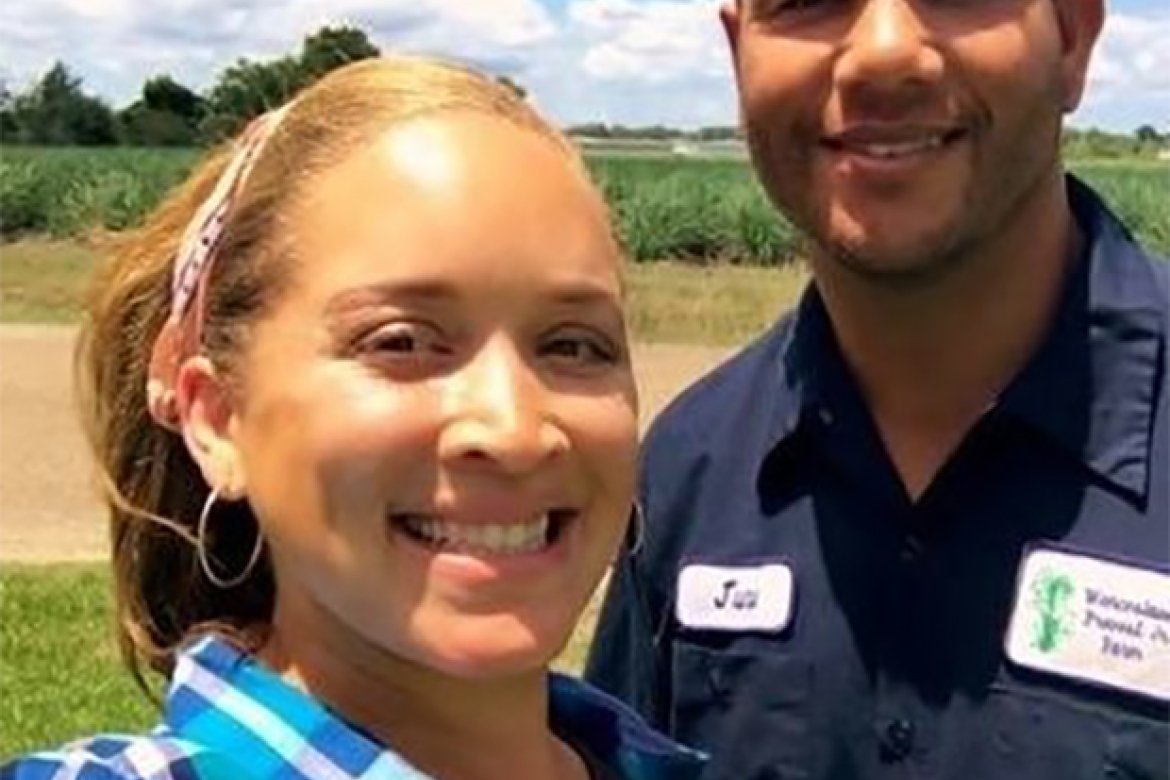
(229, 718)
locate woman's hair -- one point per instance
(153, 488)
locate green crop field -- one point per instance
(666, 207)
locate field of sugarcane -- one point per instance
(682, 208)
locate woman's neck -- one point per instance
(448, 727)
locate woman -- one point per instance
(361, 395)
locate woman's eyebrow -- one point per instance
(368, 295)
(572, 293)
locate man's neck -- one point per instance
(931, 359)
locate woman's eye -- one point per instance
(581, 349)
(403, 341)
(769, 8)
(396, 342)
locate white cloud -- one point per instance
(1129, 76)
(1132, 55)
(653, 42)
(628, 61)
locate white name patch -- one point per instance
(1092, 619)
(735, 598)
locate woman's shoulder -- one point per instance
(152, 756)
(615, 738)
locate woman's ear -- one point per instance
(207, 419)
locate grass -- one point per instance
(60, 676)
(43, 281)
(716, 305)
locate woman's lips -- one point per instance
(484, 539)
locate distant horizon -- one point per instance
(618, 62)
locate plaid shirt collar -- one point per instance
(241, 720)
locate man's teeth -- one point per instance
(492, 538)
(899, 149)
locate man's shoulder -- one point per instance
(708, 408)
(1159, 266)
(1133, 275)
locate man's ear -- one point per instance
(207, 421)
(729, 16)
(1080, 25)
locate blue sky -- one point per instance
(628, 61)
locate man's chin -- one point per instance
(894, 261)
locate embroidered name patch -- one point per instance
(1092, 619)
(735, 598)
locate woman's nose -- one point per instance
(498, 413)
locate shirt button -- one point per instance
(911, 549)
(898, 741)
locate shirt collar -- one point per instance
(248, 722)
(1092, 385)
(813, 381)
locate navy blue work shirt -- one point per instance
(892, 663)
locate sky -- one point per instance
(634, 62)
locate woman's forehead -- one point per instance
(455, 195)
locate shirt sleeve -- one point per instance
(60, 765)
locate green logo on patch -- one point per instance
(1051, 592)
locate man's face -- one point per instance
(902, 134)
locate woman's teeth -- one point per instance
(482, 538)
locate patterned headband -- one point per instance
(181, 335)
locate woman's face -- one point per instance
(437, 429)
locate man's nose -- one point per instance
(498, 413)
(889, 47)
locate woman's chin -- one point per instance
(483, 653)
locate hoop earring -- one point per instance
(638, 527)
(201, 549)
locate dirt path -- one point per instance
(48, 509)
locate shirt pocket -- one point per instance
(1036, 733)
(746, 707)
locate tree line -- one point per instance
(56, 111)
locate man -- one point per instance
(920, 527)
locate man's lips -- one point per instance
(883, 141)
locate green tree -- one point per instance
(163, 93)
(8, 126)
(55, 111)
(331, 47)
(591, 129)
(1147, 134)
(516, 88)
(167, 114)
(249, 88)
